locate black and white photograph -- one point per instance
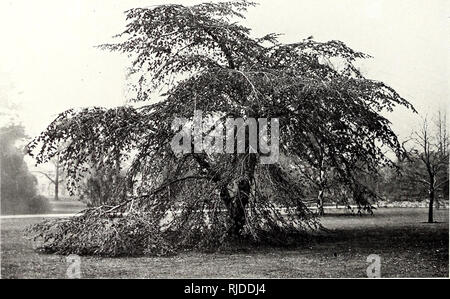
(224, 145)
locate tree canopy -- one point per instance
(200, 58)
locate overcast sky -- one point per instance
(48, 62)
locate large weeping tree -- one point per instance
(199, 58)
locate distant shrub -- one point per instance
(38, 205)
(100, 187)
(25, 205)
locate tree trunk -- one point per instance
(57, 183)
(236, 207)
(430, 207)
(242, 199)
(320, 209)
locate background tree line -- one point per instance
(18, 191)
(421, 173)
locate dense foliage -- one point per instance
(200, 58)
(18, 186)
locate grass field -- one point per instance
(408, 247)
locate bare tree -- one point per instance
(429, 158)
(54, 178)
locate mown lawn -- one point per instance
(408, 247)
